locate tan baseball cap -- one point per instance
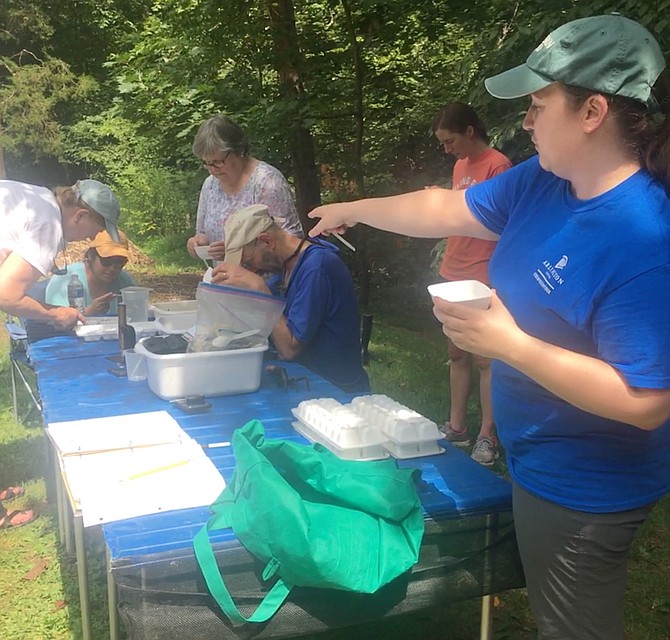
(107, 248)
(242, 228)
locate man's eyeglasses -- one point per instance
(113, 261)
(216, 164)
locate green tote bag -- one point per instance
(315, 520)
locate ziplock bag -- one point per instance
(224, 310)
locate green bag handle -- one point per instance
(217, 587)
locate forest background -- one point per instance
(338, 94)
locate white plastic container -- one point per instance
(413, 449)
(136, 300)
(471, 292)
(107, 328)
(176, 323)
(178, 307)
(202, 251)
(207, 373)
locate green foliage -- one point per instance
(32, 104)
(169, 253)
(166, 65)
(155, 199)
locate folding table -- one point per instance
(469, 548)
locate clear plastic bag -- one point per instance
(225, 311)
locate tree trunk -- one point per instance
(362, 255)
(289, 64)
(3, 170)
(358, 101)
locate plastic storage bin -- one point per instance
(207, 373)
(176, 323)
(178, 307)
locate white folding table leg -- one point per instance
(112, 602)
(82, 578)
(486, 623)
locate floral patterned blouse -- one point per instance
(266, 185)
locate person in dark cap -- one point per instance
(578, 324)
(35, 224)
(320, 327)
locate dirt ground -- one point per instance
(166, 288)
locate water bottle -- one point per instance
(75, 293)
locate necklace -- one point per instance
(287, 274)
(294, 254)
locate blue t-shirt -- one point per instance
(591, 276)
(56, 292)
(322, 313)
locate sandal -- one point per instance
(9, 493)
(8, 516)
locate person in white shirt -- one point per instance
(35, 223)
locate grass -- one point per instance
(408, 362)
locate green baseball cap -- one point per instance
(608, 54)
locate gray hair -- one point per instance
(220, 134)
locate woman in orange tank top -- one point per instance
(462, 133)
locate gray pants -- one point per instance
(575, 565)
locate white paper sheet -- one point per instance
(115, 432)
(133, 465)
(129, 483)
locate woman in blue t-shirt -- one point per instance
(578, 324)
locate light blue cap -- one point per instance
(99, 197)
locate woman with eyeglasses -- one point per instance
(102, 274)
(236, 180)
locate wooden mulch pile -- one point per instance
(74, 252)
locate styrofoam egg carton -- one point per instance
(340, 429)
(401, 424)
(413, 449)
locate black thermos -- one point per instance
(127, 336)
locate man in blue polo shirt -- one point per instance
(321, 320)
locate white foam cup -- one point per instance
(471, 292)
